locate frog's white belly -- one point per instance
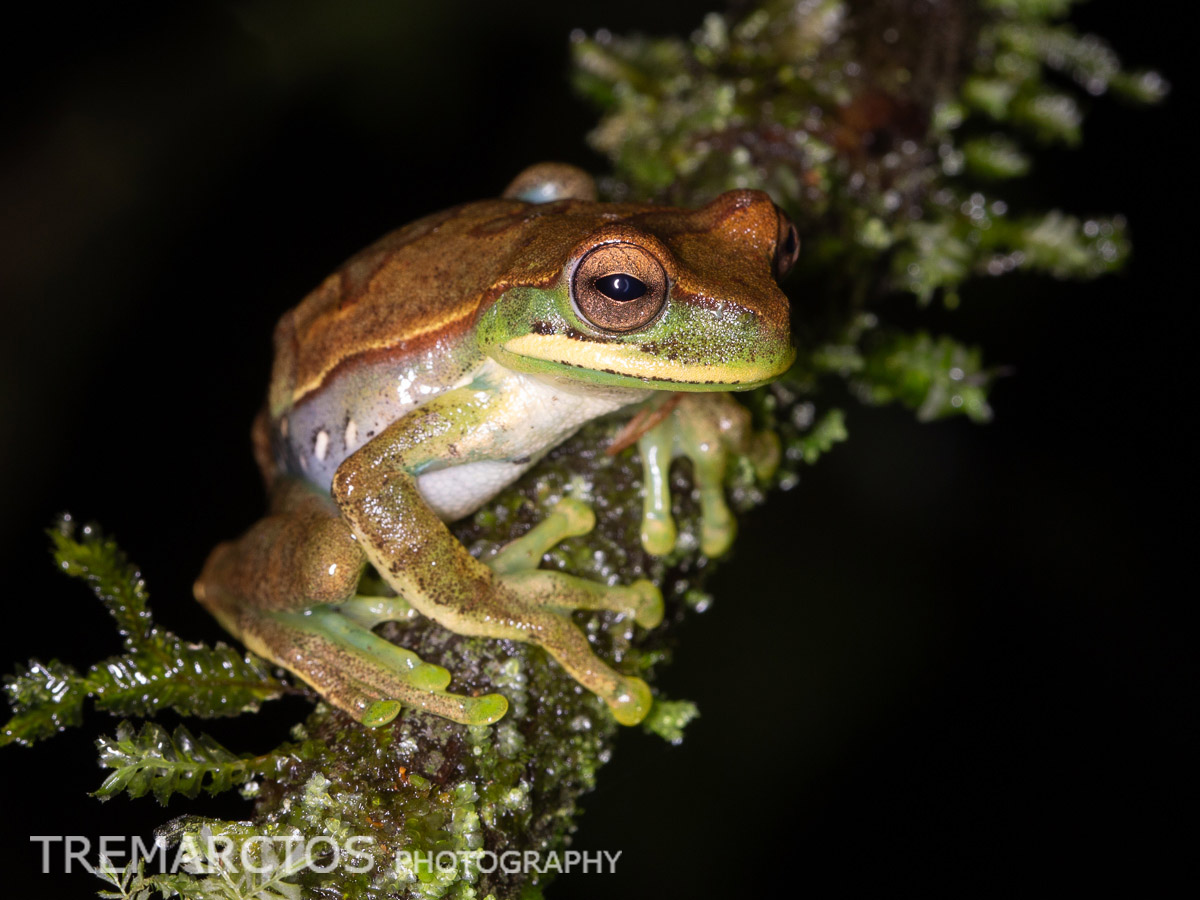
(535, 416)
(460, 490)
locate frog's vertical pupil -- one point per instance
(789, 245)
(620, 287)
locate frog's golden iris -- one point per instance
(604, 295)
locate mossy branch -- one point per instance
(887, 129)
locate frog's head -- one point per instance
(642, 296)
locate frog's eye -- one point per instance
(787, 245)
(619, 287)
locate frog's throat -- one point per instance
(620, 365)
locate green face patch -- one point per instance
(692, 345)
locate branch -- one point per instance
(886, 129)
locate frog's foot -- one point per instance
(519, 559)
(569, 518)
(708, 429)
(332, 647)
(360, 672)
(286, 589)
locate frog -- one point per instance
(438, 365)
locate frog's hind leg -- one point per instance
(370, 677)
(286, 590)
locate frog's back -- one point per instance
(383, 333)
(390, 328)
(414, 287)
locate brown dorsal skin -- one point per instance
(426, 284)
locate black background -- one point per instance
(967, 654)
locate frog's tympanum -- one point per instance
(439, 364)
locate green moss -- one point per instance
(668, 719)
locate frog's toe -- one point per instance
(658, 527)
(578, 517)
(484, 710)
(369, 611)
(360, 672)
(658, 533)
(648, 611)
(548, 181)
(718, 527)
(716, 544)
(540, 589)
(487, 709)
(381, 712)
(765, 453)
(569, 518)
(631, 703)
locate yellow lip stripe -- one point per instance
(620, 358)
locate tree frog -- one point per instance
(436, 366)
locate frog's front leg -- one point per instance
(519, 559)
(377, 491)
(707, 429)
(286, 590)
